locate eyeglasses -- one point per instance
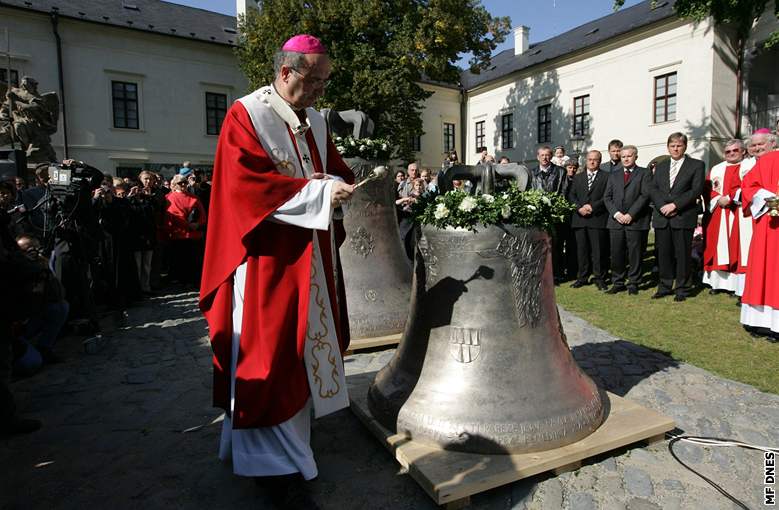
(323, 82)
(732, 151)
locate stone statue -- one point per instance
(30, 118)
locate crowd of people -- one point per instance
(701, 221)
(272, 283)
(70, 253)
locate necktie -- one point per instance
(674, 171)
(590, 179)
(627, 175)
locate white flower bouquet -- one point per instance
(365, 148)
(456, 208)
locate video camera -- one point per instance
(70, 180)
(67, 200)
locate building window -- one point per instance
(507, 131)
(665, 98)
(14, 77)
(129, 171)
(125, 100)
(545, 123)
(415, 142)
(479, 136)
(216, 109)
(581, 115)
(448, 137)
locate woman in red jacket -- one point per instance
(185, 221)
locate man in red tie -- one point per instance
(627, 200)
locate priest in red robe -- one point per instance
(272, 291)
(760, 302)
(721, 221)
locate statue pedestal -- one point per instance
(451, 477)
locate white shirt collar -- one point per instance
(285, 111)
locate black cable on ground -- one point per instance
(715, 441)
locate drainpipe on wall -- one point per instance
(54, 22)
(463, 113)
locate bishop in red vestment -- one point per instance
(760, 302)
(271, 238)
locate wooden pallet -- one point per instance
(376, 341)
(451, 478)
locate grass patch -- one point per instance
(704, 330)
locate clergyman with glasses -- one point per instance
(271, 290)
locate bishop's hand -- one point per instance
(340, 192)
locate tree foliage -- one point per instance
(379, 50)
(740, 14)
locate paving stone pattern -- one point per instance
(131, 426)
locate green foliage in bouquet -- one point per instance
(528, 209)
(366, 148)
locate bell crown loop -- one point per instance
(485, 175)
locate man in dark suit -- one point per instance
(589, 221)
(615, 150)
(550, 177)
(676, 193)
(627, 200)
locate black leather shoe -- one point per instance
(616, 289)
(601, 285)
(632, 291)
(680, 297)
(578, 284)
(288, 492)
(661, 294)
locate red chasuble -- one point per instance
(726, 185)
(762, 279)
(270, 383)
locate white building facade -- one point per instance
(147, 83)
(639, 84)
(146, 95)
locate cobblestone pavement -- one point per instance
(132, 426)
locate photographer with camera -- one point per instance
(36, 204)
(75, 236)
(117, 218)
(148, 205)
(44, 326)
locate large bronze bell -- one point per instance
(376, 271)
(483, 365)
